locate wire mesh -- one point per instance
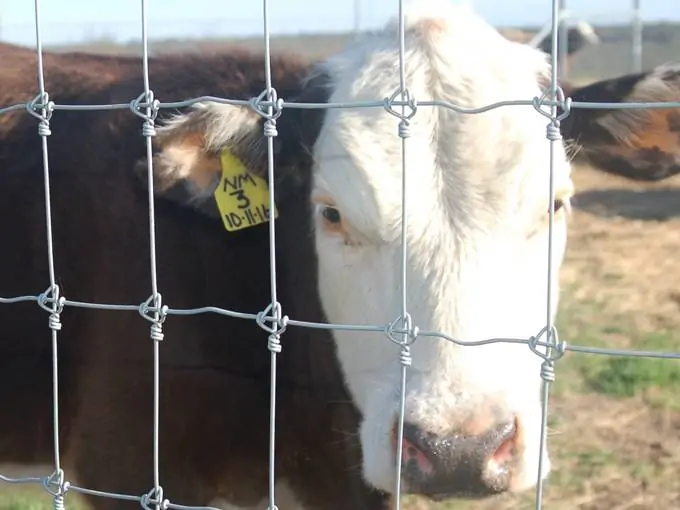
(545, 344)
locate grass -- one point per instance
(614, 430)
(27, 498)
(628, 377)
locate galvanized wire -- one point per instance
(54, 483)
(277, 320)
(405, 355)
(157, 316)
(547, 368)
(271, 319)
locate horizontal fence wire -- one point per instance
(546, 344)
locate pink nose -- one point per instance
(458, 464)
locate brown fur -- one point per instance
(639, 144)
(214, 370)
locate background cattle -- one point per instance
(214, 369)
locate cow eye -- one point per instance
(331, 215)
(558, 204)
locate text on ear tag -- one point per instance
(242, 197)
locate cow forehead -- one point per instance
(494, 162)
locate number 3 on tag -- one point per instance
(242, 197)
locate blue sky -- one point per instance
(75, 20)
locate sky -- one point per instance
(78, 20)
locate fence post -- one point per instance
(357, 17)
(637, 37)
(562, 40)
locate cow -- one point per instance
(579, 35)
(477, 228)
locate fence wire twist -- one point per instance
(402, 331)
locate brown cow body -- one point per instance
(214, 404)
(214, 369)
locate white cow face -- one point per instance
(477, 232)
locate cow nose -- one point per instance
(458, 464)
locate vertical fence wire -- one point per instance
(405, 356)
(51, 296)
(155, 496)
(274, 341)
(553, 135)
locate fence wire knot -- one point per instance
(51, 302)
(548, 371)
(270, 128)
(57, 487)
(563, 103)
(553, 132)
(41, 108)
(410, 105)
(154, 312)
(270, 97)
(152, 106)
(406, 335)
(278, 322)
(405, 355)
(404, 129)
(274, 343)
(556, 347)
(153, 500)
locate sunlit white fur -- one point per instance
(477, 229)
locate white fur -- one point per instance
(477, 229)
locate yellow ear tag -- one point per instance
(242, 197)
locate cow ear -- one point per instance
(190, 148)
(639, 144)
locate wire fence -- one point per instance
(401, 104)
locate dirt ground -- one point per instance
(615, 422)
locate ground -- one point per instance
(615, 422)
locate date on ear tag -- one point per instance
(242, 197)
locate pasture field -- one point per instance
(614, 422)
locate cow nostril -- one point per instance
(412, 456)
(501, 459)
(458, 463)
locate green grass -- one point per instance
(655, 379)
(14, 497)
(33, 498)
(630, 376)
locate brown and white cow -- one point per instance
(477, 243)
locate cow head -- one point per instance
(477, 236)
